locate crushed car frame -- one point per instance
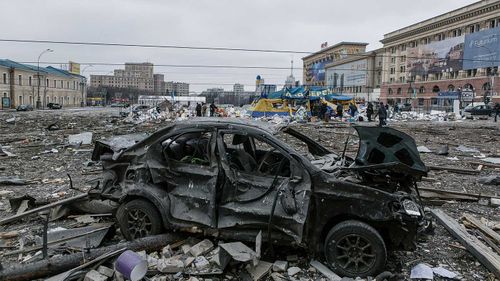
(235, 178)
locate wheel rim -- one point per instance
(139, 223)
(354, 254)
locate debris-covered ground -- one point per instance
(45, 157)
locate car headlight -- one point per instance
(411, 208)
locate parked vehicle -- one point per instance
(479, 111)
(237, 178)
(120, 104)
(52, 105)
(24, 107)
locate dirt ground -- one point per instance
(44, 158)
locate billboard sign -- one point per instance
(74, 68)
(435, 57)
(317, 71)
(353, 74)
(482, 49)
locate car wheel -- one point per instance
(354, 248)
(138, 218)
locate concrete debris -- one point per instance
(325, 271)
(423, 149)
(80, 139)
(170, 265)
(490, 180)
(201, 263)
(201, 248)
(444, 150)
(466, 149)
(494, 160)
(94, 275)
(293, 270)
(443, 272)
(280, 266)
(106, 271)
(12, 181)
(260, 270)
(239, 251)
(422, 271)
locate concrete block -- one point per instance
(201, 248)
(170, 265)
(293, 270)
(106, 271)
(93, 275)
(280, 266)
(260, 270)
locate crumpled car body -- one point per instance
(234, 178)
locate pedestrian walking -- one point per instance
(340, 110)
(204, 109)
(369, 111)
(497, 110)
(198, 110)
(382, 115)
(212, 109)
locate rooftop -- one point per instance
(336, 46)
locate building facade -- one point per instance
(314, 64)
(159, 84)
(19, 85)
(135, 75)
(359, 76)
(177, 88)
(448, 57)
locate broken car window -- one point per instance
(191, 148)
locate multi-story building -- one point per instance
(314, 64)
(19, 85)
(238, 88)
(135, 75)
(453, 56)
(359, 76)
(159, 84)
(177, 88)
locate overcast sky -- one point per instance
(257, 24)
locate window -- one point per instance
(451, 88)
(4, 78)
(420, 101)
(421, 90)
(393, 60)
(402, 68)
(435, 89)
(62, 84)
(492, 24)
(393, 70)
(29, 80)
(399, 91)
(55, 84)
(47, 83)
(67, 84)
(403, 47)
(434, 101)
(20, 80)
(189, 148)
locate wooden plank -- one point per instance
(483, 227)
(488, 241)
(465, 194)
(454, 170)
(487, 257)
(42, 208)
(486, 164)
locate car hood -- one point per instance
(387, 148)
(116, 145)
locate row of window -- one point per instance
(486, 87)
(61, 100)
(493, 23)
(74, 85)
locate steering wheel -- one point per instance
(264, 161)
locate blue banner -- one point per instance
(482, 49)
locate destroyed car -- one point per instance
(233, 179)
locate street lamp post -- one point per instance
(38, 102)
(83, 83)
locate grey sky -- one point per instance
(257, 24)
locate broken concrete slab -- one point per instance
(443, 272)
(80, 139)
(93, 275)
(260, 270)
(280, 266)
(170, 265)
(239, 251)
(106, 271)
(201, 248)
(422, 271)
(293, 270)
(201, 263)
(325, 270)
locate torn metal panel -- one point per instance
(84, 237)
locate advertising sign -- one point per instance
(482, 49)
(353, 73)
(317, 71)
(440, 56)
(74, 67)
(5, 102)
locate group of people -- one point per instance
(381, 113)
(201, 109)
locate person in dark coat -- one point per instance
(382, 115)
(212, 109)
(496, 110)
(340, 110)
(369, 111)
(198, 110)
(324, 111)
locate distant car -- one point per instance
(52, 105)
(479, 111)
(405, 107)
(25, 107)
(120, 104)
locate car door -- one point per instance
(272, 186)
(192, 173)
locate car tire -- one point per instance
(354, 248)
(138, 218)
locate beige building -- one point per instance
(314, 64)
(19, 85)
(359, 76)
(177, 88)
(431, 63)
(135, 75)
